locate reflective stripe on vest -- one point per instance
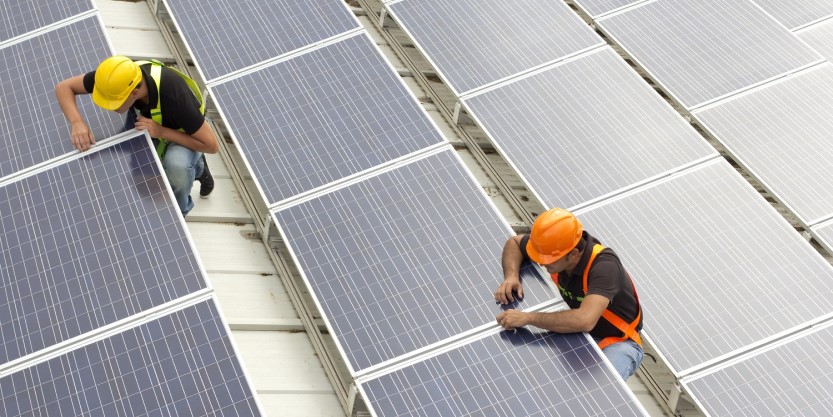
(628, 329)
(156, 110)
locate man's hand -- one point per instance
(512, 319)
(154, 129)
(82, 138)
(504, 292)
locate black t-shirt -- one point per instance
(607, 278)
(180, 108)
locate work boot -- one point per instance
(206, 180)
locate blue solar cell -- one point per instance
(321, 117)
(403, 259)
(21, 16)
(32, 127)
(229, 35)
(182, 364)
(87, 243)
(475, 42)
(507, 374)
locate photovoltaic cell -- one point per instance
(820, 38)
(32, 127)
(716, 267)
(599, 7)
(793, 379)
(87, 243)
(403, 259)
(228, 35)
(21, 16)
(182, 364)
(321, 117)
(701, 50)
(517, 373)
(584, 129)
(794, 14)
(756, 127)
(475, 42)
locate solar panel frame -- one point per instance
(823, 232)
(599, 8)
(534, 122)
(259, 15)
(521, 373)
(180, 363)
(753, 127)
(30, 16)
(795, 15)
(675, 24)
(449, 28)
(321, 133)
(77, 254)
(820, 38)
(33, 130)
(538, 289)
(792, 376)
(689, 235)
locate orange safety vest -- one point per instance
(628, 329)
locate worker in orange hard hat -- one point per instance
(592, 281)
(170, 108)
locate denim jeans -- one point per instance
(625, 357)
(182, 166)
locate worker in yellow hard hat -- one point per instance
(170, 108)
(592, 281)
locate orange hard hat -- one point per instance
(115, 78)
(554, 234)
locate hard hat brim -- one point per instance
(538, 257)
(104, 103)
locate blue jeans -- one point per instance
(182, 166)
(625, 357)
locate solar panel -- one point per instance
(716, 267)
(820, 38)
(32, 127)
(795, 14)
(517, 373)
(756, 127)
(473, 43)
(182, 364)
(824, 233)
(87, 243)
(792, 379)
(21, 16)
(321, 117)
(700, 50)
(403, 259)
(224, 36)
(595, 8)
(585, 129)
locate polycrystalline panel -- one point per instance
(716, 267)
(323, 116)
(797, 13)
(32, 127)
(403, 259)
(506, 374)
(87, 243)
(585, 129)
(228, 35)
(599, 7)
(820, 38)
(475, 42)
(21, 16)
(701, 50)
(182, 364)
(793, 379)
(782, 134)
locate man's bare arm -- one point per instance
(65, 91)
(582, 319)
(511, 260)
(203, 140)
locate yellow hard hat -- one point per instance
(554, 233)
(115, 78)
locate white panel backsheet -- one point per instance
(820, 38)
(716, 267)
(587, 128)
(784, 135)
(797, 13)
(700, 50)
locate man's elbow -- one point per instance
(588, 323)
(213, 148)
